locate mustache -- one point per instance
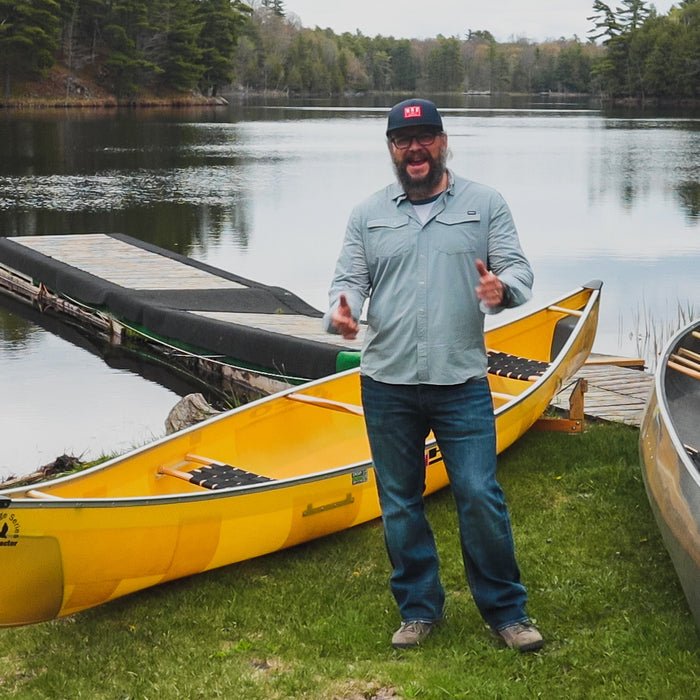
(424, 185)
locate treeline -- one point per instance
(638, 54)
(127, 46)
(130, 46)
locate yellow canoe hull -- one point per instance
(136, 521)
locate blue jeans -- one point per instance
(398, 419)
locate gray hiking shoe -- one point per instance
(411, 633)
(523, 636)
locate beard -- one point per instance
(424, 187)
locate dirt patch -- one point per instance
(63, 88)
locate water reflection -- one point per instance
(264, 190)
(64, 397)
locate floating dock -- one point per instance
(258, 338)
(614, 392)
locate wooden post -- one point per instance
(575, 422)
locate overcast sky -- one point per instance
(536, 20)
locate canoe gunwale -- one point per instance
(659, 389)
(542, 385)
(555, 366)
(174, 499)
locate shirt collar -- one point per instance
(398, 195)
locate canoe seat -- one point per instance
(514, 367)
(217, 476)
(223, 476)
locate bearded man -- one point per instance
(433, 253)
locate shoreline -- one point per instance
(110, 103)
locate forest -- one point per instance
(201, 47)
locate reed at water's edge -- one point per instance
(650, 332)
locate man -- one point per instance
(433, 253)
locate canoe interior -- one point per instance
(683, 394)
(669, 444)
(287, 439)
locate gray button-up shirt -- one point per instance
(425, 322)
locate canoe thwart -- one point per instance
(35, 493)
(693, 454)
(680, 364)
(216, 476)
(686, 358)
(684, 352)
(514, 367)
(327, 403)
(563, 310)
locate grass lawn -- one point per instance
(316, 621)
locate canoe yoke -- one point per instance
(514, 367)
(215, 475)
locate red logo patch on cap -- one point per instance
(412, 111)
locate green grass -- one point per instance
(315, 621)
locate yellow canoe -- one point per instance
(271, 474)
(669, 446)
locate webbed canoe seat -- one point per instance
(215, 475)
(514, 367)
(224, 476)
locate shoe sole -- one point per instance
(530, 646)
(533, 646)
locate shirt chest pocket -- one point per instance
(388, 238)
(457, 233)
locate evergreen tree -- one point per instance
(275, 6)
(573, 69)
(404, 65)
(222, 21)
(445, 66)
(179, 54)
(633, 14)
(28, 38)
(606, 22)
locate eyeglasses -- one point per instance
(425, 138)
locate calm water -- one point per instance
(265, 190)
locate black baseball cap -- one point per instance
(414, 113)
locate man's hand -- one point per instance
(343, 321)
(490, 289)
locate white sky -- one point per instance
(537, 20)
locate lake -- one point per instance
(264, 188)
